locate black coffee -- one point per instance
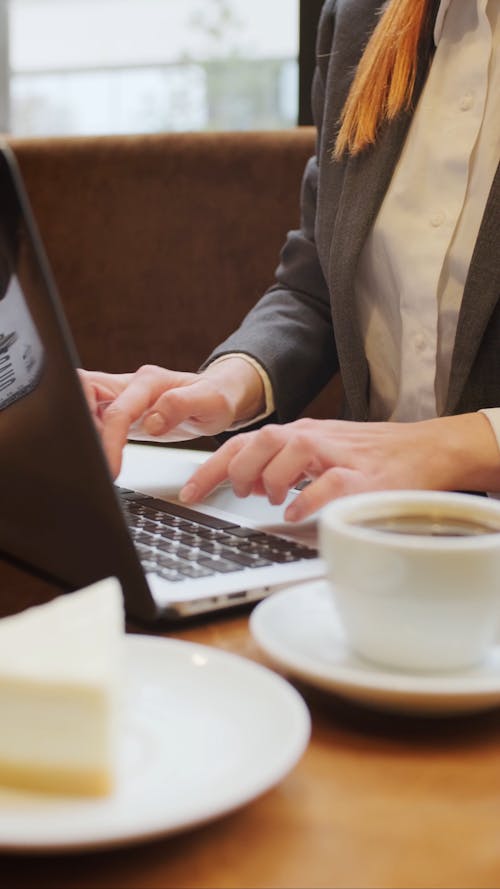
(428, 525)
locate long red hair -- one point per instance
(385, 77)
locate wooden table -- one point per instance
(376, 801)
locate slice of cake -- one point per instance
(60, 669)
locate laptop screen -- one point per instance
(59, 511)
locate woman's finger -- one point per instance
(335, 482)
(297, 459)
(249, 463)
(128, 406)
(197, 407)
(213, 472)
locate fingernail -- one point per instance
(274, 499)
(189, 493)
(101, 408)
(293, 513)
(241, 492)
(154, 424)
(268, 494)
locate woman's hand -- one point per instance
(170, 405)
(338, 457)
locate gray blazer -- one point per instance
(305, 328)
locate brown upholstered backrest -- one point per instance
(159, 244)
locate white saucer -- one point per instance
(300, 630)
(204, 732)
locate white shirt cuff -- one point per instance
(493, 415)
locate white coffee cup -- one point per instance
(415, 576)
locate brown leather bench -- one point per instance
(159, 244)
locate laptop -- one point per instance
(62, 513)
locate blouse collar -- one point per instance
(438, 27)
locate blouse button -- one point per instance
(437, 219)
(466, 102)
(420, 342)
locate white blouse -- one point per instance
(413, 267)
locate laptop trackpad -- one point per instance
(258, 509)
(162, 472)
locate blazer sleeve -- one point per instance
(289, 331)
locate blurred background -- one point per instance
(92, 67)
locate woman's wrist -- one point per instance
(242, 386)
(467, 452)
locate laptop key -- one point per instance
(209, 546)
(282, 557)
(129, 496)
(248, 561)
(143, 537)
(167, 546)
(190, 570)
(209, 533)
(220, 566)
(307, 552)
(170, 574)
(183, 512)
(149, 565)
(143, 549)
(166, 562)
(185, 567)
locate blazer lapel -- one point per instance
(480, 297)
(366, 180)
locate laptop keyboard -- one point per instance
(179, 543)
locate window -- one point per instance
(77, 67)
